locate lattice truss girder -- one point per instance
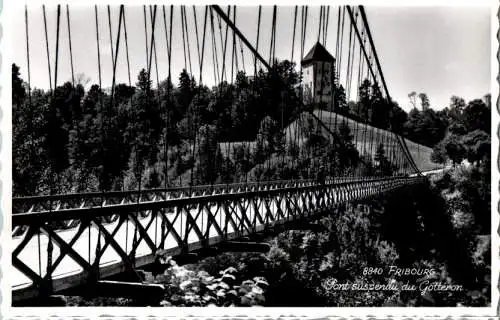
(58, 249)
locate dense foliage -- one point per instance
(442, 129)
(186, 287)
(126, 137)
(468, 133)
(72, 140)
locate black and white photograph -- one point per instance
(256, 155)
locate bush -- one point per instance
(186, 287)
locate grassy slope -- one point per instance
(421, 154)
(296, 132)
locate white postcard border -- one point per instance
(8, 35)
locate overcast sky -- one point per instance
(441, 51)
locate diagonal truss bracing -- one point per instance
(115, 238)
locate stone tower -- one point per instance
(318, 69)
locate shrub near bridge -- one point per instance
(340, 254)
(185, 287)
(467, 191)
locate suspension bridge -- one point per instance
(324, 151)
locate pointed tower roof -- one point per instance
(317, 53)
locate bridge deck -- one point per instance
(110, 239)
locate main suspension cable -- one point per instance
(187, 40)
(153, 44)
(111, 37)
(70, 49)
(146, 35)
(126, 48)
(47, 46)
(201, 58)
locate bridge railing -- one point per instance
(47, 203)
(77, 206)
(55, 250)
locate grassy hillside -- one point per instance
(298, 130)
(421, 154)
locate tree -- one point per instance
(340, 103)
(438, 154)
(476, 116)
(269, 130)
(477, 146)
(206, 152)
(468, 131)
(124, 92)
(412, 126)
(398, 118)
(242, 80)
(383, 165)
(364, 101)
(185, 93)
(380, 109)
(145, 127)
(242, 160)
(457, 105)
(413, 99)
(454, 148)
(18, 90)
(29, 156)
(346, 153)
(144, 82)
(63, 109)
(425, 127)
(424, 101)
(352, 110)
(366, 168)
